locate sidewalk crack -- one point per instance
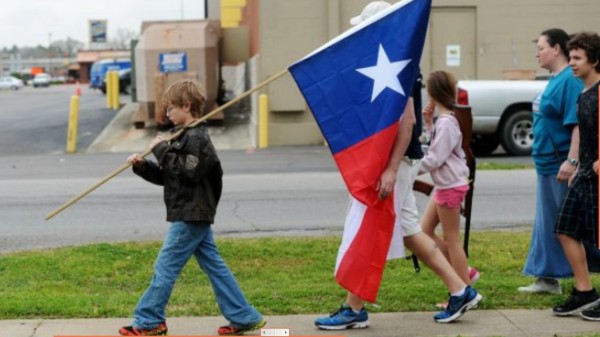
(35, 328)
(235, 213)
(513, 323)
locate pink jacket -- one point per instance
(445, 159)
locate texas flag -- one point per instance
(357, 86)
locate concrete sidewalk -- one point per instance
(506, 323)
(121, 136)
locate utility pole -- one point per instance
(50, 53)
(181, 6)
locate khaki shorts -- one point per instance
(406, 204)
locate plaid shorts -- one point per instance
(578, 217)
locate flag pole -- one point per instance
(198, 121)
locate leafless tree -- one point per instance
(123, 37)
(66, 48)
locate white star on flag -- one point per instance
(384, 74)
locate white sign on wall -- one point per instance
(453, 55)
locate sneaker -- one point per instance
(344, 318)
(458, 305)
(160, 330)
(230, 330)
(543, 285)
(473, 275)
(577, 302)
(592, 314)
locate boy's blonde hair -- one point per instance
(185, 92)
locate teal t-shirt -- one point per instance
(554, 116)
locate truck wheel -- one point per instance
(484, 145)
(516, 134)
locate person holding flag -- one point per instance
(368, 120)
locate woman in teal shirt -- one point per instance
(555, 154)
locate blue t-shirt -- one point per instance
(554, 116)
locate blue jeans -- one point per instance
(183, 240)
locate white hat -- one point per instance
(369, 10)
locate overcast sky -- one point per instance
(29, 22)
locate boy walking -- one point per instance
(190, 171)
(578, 218)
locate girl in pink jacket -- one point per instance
(445, 160)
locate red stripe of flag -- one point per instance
(361, 268)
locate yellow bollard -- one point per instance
(73, 121)
(109, 100)
(115, 90)
(263, 121)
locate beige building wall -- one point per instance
(504, 30)
(289, 30)
(492, 36)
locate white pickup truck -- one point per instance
(501, 113)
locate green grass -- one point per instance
(503, 166)
(279, 276)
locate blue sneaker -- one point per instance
(344, 318)
(458, 305)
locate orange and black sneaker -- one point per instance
(160, 330)
(230, 330)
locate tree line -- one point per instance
(67, 47)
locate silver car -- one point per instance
(10, 82)
(42, 80)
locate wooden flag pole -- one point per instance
(198, 121)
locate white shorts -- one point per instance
(406, 204)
